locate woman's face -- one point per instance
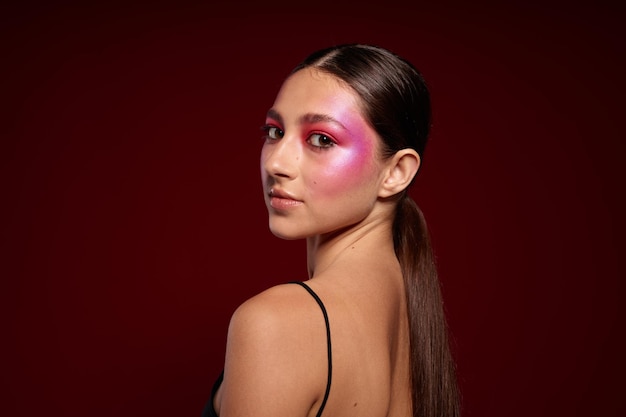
(320, 166)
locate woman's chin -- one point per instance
(286, 233)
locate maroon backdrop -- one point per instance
(133, 222)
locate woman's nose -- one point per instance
(280, 158)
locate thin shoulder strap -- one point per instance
(330, 357)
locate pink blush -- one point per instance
(351, 162)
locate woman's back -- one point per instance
(277, 351)
(370, 340)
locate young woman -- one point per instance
(365, 335)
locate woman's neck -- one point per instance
(371, 238)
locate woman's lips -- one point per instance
(282, 200)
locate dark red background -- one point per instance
(133, 222)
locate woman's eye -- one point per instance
(320, 141)
(272, 132)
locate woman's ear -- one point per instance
(399, 173)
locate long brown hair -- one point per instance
(396, 102)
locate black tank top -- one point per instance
(209, 410)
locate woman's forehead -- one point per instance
(312, 90)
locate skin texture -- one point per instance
(324, 181)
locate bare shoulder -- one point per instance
(274, 299)
(275, 354)
(280, 309)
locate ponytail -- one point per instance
(433, 375)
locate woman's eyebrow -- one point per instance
(309, 118)
(317, 118)
(273, 114)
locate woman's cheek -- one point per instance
(349, 169)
